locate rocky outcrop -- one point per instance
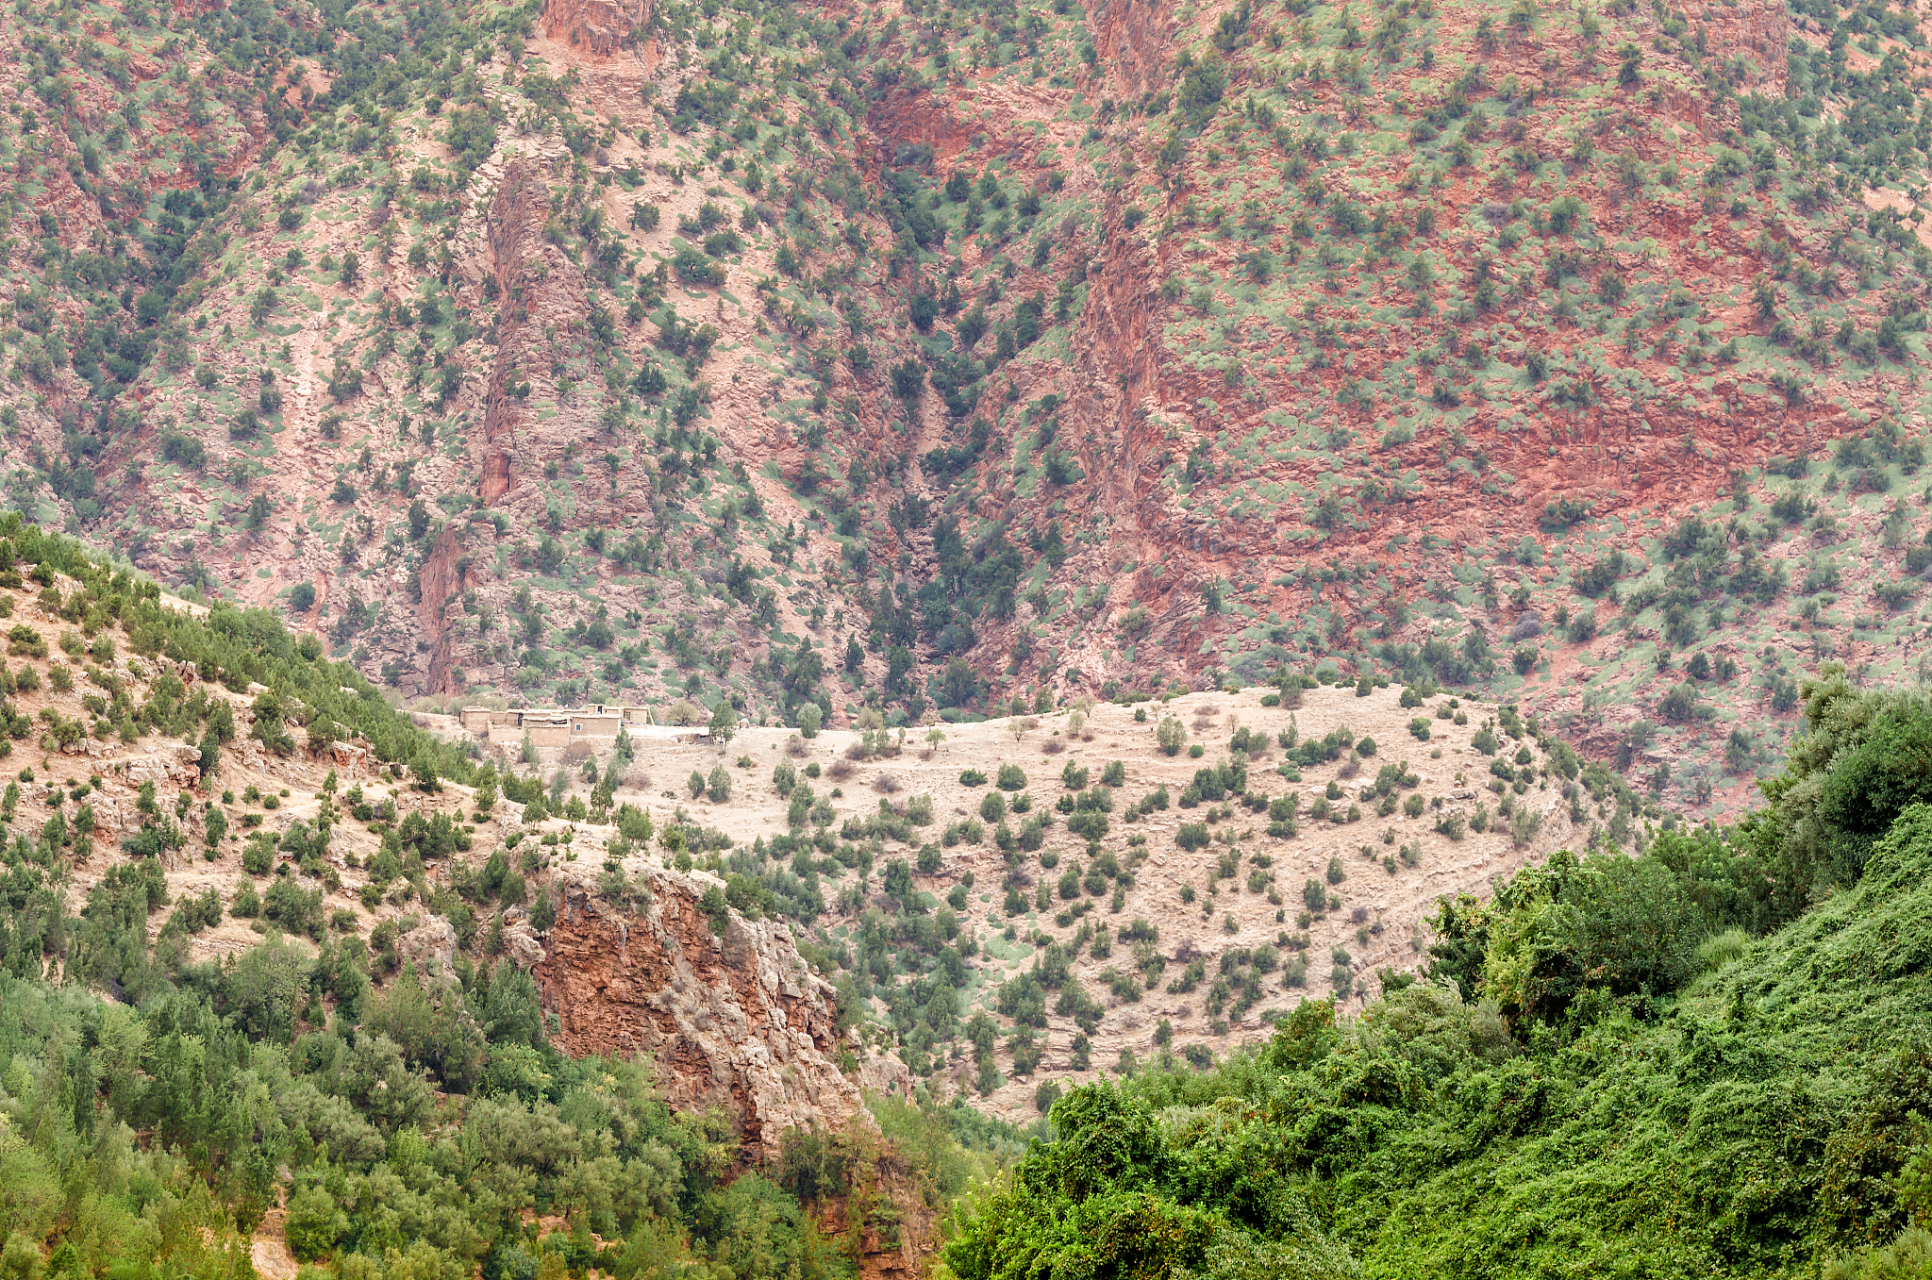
(597, 27)
(179, 764)
(430, 946)
(442, 580)
(732, 1019)
(515, 214)
(895, 1245)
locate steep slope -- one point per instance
(659, 351)
(1020, 906)
(732, 1019)
(256, 862)
(326, 843)
(1640, 1066)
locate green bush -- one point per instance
(258, 855)
(1170, 735)
(296, 910)
(1871, 783)
(314, 1224)
(1683, 704)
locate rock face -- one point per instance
(732, 1019)
(430, 946)
(596, 26)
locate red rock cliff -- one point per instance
(734, 1020)
(600, 27)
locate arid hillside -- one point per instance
(928, 357)
(989, 911)
(1033, 901)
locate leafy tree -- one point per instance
(314, 1224)
(1202, 87)
(958, 684)
(512, 1011)
(268, 728)
(723, 726)
(908, 380)
(485, 799)
(1170, 735)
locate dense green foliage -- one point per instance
(231, 1076)
(1710, 1059)
(410, 1132)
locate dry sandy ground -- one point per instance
(1379, 924)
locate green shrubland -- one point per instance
(1709, 1059)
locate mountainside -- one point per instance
(788, 355)
(388, 1021)
(1003, 911)
(267, 1001)
(351, 953)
